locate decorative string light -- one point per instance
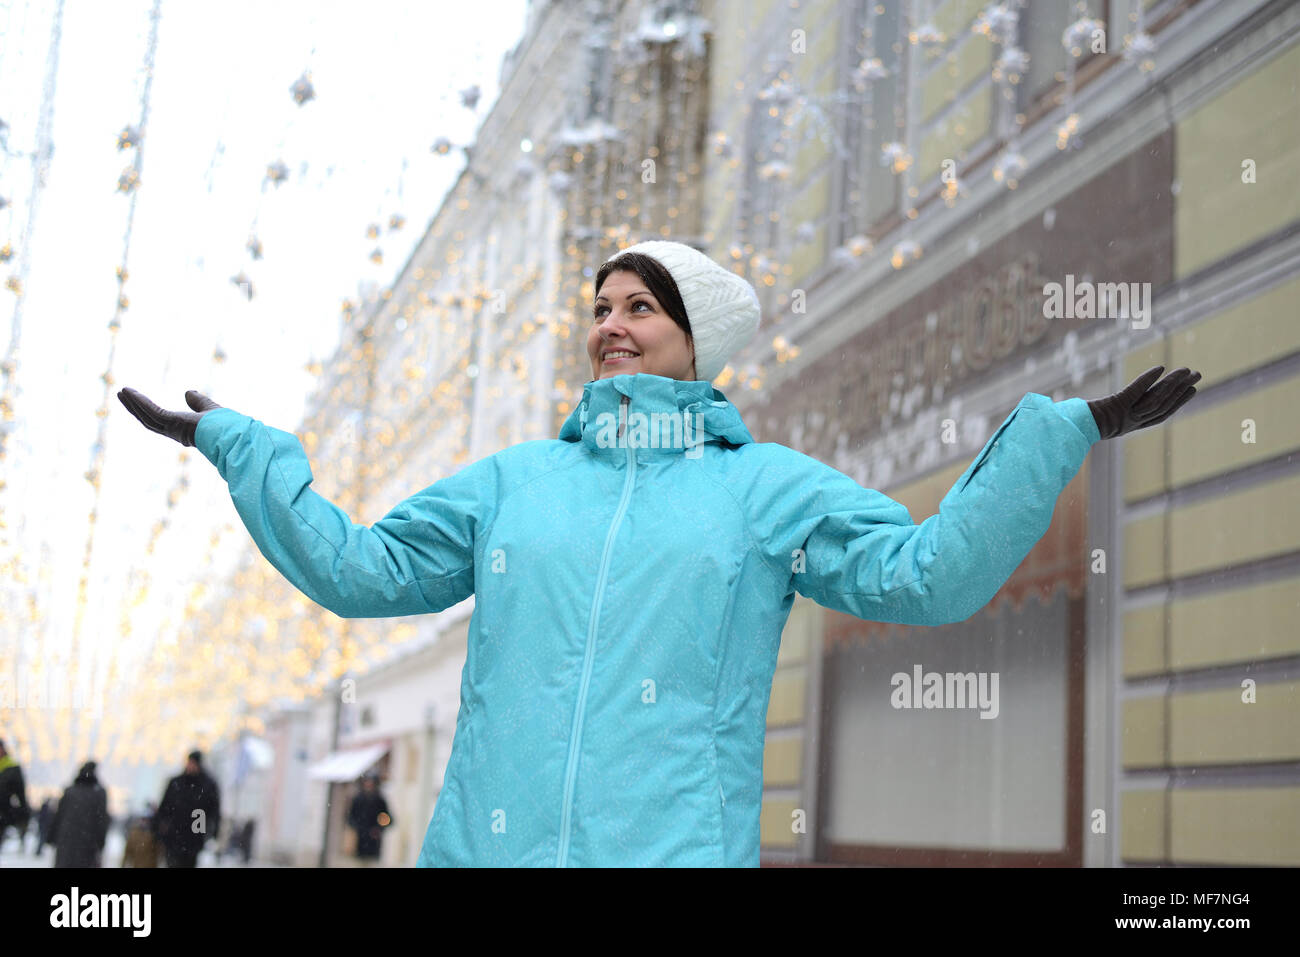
(37, 741)
(78, 741)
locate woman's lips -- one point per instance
(620, 359)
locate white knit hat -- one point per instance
(721, 306)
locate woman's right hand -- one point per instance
(175, 425)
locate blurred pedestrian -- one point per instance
(44, 820)
(80, 824)
(368, 816)
(141, 848)
(189, 813)
(246, 841)
(14, 810)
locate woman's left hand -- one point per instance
(1141, 403)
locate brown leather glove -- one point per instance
(175, 425)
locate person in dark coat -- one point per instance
(14, 810)
(246, 841)
(181, 829)
(81, 822)
(44, 821)
(368, 815)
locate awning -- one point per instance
(347, 765)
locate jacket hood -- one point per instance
(698, 403)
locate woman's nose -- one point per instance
(611, 327)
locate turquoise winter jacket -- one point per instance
(631, 582)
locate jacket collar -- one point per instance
(703, 412)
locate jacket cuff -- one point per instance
(1078, 413)
(210, 428)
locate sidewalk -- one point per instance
(11, 856)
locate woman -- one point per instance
(632, 577)
(81, 823)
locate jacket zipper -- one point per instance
(575, 738)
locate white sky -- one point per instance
(387, 76)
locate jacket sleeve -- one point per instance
(864, 556)
(419, 558)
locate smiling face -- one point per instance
(627, 318)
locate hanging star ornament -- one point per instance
(6, 253)
(1067, 134)
(128, 138)
(244, 283)
(997, 21)
(927, 35)
(895, 156)
(372, 231)
(396, 222)
(1140, 46)
(868, 70)
(377, 255)
(277, 172)
(302, 89)
(441, 146)
(1011, 65)
(254, 247)
(1009, 167)
(129, 180)
(907, 251)
(1081, 34)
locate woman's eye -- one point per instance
(596, 313)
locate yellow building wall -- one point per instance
(960, 69)
(1248, 826)
(1243, 826)
(1215, 212)
(784, 755)
(964, 126)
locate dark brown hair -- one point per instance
(656, 277)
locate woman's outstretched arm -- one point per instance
(418, 558)
(858, 551)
